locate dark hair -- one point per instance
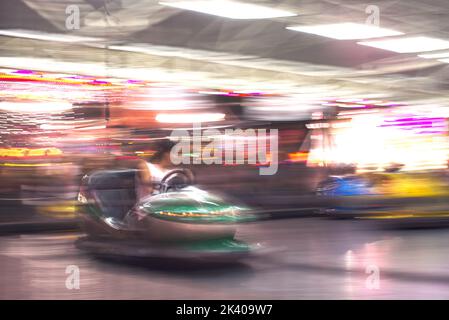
(162, 147)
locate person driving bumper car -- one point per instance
(154, 210)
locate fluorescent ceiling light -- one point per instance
(37, 35)
(435, 55)
(408, 44)
(347, 31)
(230, 9)
(189, 117)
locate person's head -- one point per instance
(162, 154)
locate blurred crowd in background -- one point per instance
(55, 128)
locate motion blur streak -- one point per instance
(355, 101)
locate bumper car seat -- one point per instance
(114, 191)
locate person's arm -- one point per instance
(144, 174)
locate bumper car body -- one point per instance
(180, 222)
(387, 196)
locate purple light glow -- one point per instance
(24, 72)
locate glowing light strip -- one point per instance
(37, 35)
(230, 9)
(347, 31)
(189, 117)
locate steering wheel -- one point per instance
(177, 179)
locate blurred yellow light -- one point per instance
(27, 152)
(32, 164)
